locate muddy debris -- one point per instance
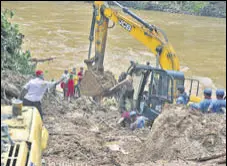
(180, 133)
(86, 133)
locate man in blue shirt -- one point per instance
(219, 104)
(203, 105)
(182, 97)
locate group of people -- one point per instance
(71, 83)
(35, 89)
(207, 105)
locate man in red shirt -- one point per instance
(80, 74)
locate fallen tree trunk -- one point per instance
(36, 60)
(206, 158)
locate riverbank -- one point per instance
(197, 8)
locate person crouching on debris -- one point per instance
(70, 85)
(125, 119)
(182, 95)
(203, 105)
(137, 121)
(33, 92)
(218, 105)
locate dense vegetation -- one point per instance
(12, 56)
(201, 8)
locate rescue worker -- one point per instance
(122, 76)
(80, 75)
(137, 121)
(127, 91)
(125, 119)
(218, 105)
(76, 81)
(132, 120)
(65, 77)
(70, 89)
(182, 95)
(203, 105)
(33, 91)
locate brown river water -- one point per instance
(62, 29)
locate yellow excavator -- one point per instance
(23, 137)
(149, 35)
(96, 80)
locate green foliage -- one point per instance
(194, 6)
(12, 56)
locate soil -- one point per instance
(95, 84)
(86, 133)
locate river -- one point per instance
(61, 29)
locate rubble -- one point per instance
(86, 133)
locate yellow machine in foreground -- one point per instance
(23, 138)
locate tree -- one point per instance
(12, 56)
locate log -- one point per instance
(206, 158)
(223, 161)
(36, 60)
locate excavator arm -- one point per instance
(149, 35)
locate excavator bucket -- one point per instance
(95, 84)
(90, 85)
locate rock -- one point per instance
(10, 89)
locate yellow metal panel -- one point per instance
(195, 99)
(27, 128)
(35, 153)
(18, 129)
(22, 156)
(36, 138)
(45, 136)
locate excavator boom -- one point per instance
(149, 35)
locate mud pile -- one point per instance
(84, 132)
(179, 133)
(95, 83)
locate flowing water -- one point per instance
(62, 29)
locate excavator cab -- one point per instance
(191, 85)
(152, 89)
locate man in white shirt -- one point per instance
(65, 77)
(35, 89)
